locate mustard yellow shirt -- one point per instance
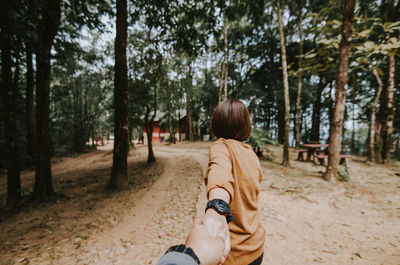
(235, 167)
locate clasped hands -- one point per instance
(217, 226)
(210, 239)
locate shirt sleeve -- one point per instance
(219, 172)
(176, 258)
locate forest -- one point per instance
(66, 79)
(87, 88)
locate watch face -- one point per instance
(222, 206)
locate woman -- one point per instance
(233, 181)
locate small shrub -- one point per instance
(343, 173)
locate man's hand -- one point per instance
(216, 226)
(208, 248)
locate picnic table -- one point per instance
(313, 150)
(316, 153)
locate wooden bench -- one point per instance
(322, 159)
(300, 152)
(320, 151)
(343, 159)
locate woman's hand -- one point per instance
(217, 226)
(209, 249)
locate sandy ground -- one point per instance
(308, 220)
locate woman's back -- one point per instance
(234, 167)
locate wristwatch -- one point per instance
(221, 207)
(183, 249)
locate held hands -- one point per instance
(209, 249)
(217, 227)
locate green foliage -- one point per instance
(165, 37)
(343, 174)
(260, 139)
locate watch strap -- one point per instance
(183, 249)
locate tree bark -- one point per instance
(316, 115)
(225, 60)
(199, 126)
(189, 105)
(220, 79)
(353, 114)
(300, 81)
(30, 107)
(340, 92)
(149, 131)
(390, 106)
(280, 120)
(371, 153)
(331, 109)
(378, 141)
(47, 30)
(9, 101)
(285, 159)
(119, 174)
(170, 129)
(179, 125)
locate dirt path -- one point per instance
(135, 227)
(201, 156)
(156, 221)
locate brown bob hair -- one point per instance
(231, 120)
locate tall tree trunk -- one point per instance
(300, 81)
(225, 60)
(170, 127)
(390, 106)
(30, 107)
(47, 30)
(353, 114)
(220, 79)
(9, 101)
(179, 125)
(189, 104)
(285, 159)
(119, 174)
(371, 153)
(199, 126)
(188, 118)
(149, 131)
(331, 108)
(378, 141)
(340, 92)
(316, 114)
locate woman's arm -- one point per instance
(219, 185)
(219, 193)
(216, 223)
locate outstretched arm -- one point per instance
(216, 223)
